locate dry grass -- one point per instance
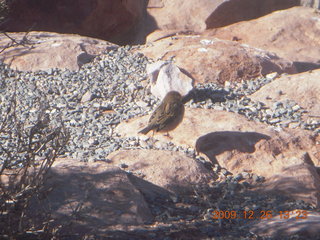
(26, 155)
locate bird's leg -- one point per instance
(168, 135)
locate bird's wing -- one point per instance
(169, 114)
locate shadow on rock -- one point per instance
(199, 95)
(306, 66)
(215, 143)
(82, 202)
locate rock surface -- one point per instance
(204, 14)
(100, 194)
(214, 60)
(305, 223)
(303, 88)
(173, 171)
(45, 50)
(240, 146)
(295, 39)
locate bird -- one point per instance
(168, 115)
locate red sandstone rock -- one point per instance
(303, 88)
(205, 14)
(116, 21)
(102, 195)
(173, 171)
(292, 34)
(44, 50)
(213, 60)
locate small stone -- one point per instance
(245, 175)
(88, 96)
(272, 76)
(224, 171)
(238, 177)
(296, 108)
(294, 125)
(274, 121)
(123, 165)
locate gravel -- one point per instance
(91, 102)
(94, 100)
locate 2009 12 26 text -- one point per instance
(262, 214)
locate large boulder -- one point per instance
(292, 34)
(116, 21)
(87, 198)
(209, 59)
(45, 50)
(173, 171)
(205, 14)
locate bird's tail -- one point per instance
(146, 130)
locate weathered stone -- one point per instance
(170, 170)
(282, 32)
(214, 60)
(45, 50)
(102, 195)
(166, 77)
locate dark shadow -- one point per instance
(305, 66)
(230, 12)
(74, 17)
(215, 143)
(184, 71)
(84, 203)
(100, 203)
(149, 190)
(199, 95)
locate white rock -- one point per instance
(169, 78)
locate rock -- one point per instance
(88, 96)
(302, 222)
(239, 145)
(102, 195)
(214, 60)
(44, 50)
(181, 15)
(170, 170)
(88, 18)
(166, 77)
(295, 39)
(229, 12)
(204, 14)
(303, 88)
(311, 3)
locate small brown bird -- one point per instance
(168, 115)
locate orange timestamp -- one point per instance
(262, 214)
